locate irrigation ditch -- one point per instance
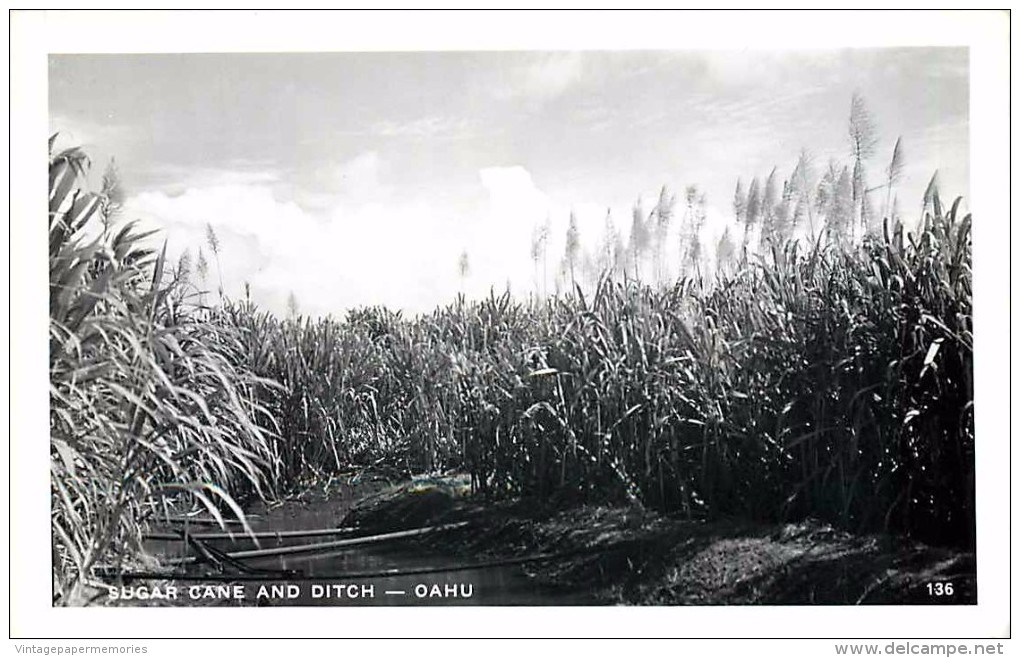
(365, 539)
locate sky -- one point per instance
(350, 179)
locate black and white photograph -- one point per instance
(538, 327)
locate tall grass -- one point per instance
(819, 382)
(150, 405)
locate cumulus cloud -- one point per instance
(353, 255)
(512, 191)
(361, 249)
(503, 240)
(358, 180)
(253, 228)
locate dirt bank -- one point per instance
(629, 555)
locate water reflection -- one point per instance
(356, 575)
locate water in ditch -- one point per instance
(320, 578)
